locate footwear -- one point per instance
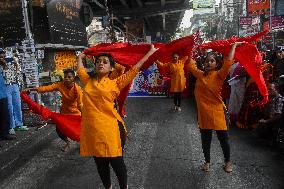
(179, 109)
(228, 167)
(124, 116)
(176, 107)
(21, 128)
(205, 167)
(12, 132)
(66, 147)
(9, 137)
(41, 126)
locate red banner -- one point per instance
(256, 7)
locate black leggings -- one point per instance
(177, 99)
(117, 163)
(206, 137)
(61, 135)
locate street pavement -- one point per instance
(163, 152)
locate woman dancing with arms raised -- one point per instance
(211, 108)
(103, 131)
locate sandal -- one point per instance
(66, 147)
(228, 167)
(205, 167)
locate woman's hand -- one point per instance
(82, 56)
(237, 43)
(153, 49)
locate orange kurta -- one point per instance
(118, 71)
(178, 79)
(100, 136)
(208, 96)
(71, 98)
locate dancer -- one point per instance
(178, 79)
(71, 99)
(103, 131)
(211, 108)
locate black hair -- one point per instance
(218, 58)
(276, 85)
(67, 71)
(111, 60)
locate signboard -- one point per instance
(245, 21)
(11, 23)
(64, 22)
(250, 29)
(203, 7)
(148, 83)
(65, 59)
(257, 7)
(277, 22)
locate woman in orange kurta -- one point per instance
(178, 79)
(211, 115)
(71, 98)
(103, 131)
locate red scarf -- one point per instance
(69, 125)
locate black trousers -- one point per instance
(4, 117)
(177, 99)
(206, 138)
(117, 163)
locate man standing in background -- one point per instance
(12, 76)
(4, 115)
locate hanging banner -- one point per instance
(64, 22)
(65, 59)
(203, 7)
(277, 22)
(257, 7)
(11, 23)
(148, 83)
(249, 27)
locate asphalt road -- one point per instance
(163, 152)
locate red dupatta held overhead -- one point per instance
(128, 54)
(247, 54)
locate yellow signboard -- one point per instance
(65, 59)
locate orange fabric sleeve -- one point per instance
(80, 97)
(48, 88)
(118, 71)
(194, 70)
(224, 71)
(83, 75)
(184, 59)
(163, 65)
(126, 78)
